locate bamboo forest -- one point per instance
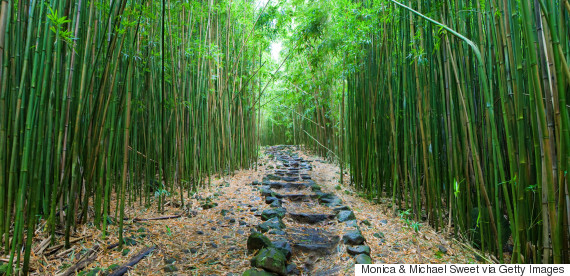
(282, 137)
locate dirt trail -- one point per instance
(292, 199)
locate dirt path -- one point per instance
(292, 199)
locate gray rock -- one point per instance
(276, 204)
(269, 200)
(353, 237)
(384, 222)
(341, 208)
(270, 259)
(442, 249)
(310, 218)
(345, 216)
(363, 259)
(284, 247)
(352, 223)
(274, 223)
(273, 213)
(265, 191)
(359, 249)
(277, 232)
(272, 177)
(257, 241)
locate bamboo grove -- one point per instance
(456, 110)
(119, 99)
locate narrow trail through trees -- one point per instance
(302, 218)
(292, 206)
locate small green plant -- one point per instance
(338, 187)
(405, 216)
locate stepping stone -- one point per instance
(310, 218)
(284, 246)
(257, 241)
(311, 240)
(277, 232)
(290, 179)
(272, 177)
(270, 199)
(274, 223)
(345, 216)
(341, 208)
(353, 237)
(268, 214)
(276, 204)
(359, 249)
(266, 191)
(287, 185)
(297, 197)
(363, 259)
(352, 223)
(272, 260)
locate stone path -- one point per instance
(305, 230)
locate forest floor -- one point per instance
(210, 236)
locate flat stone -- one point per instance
(268, 214)
(272, 177)
(276, 204)
(271, 260)
(298, 197)
(274, 223)
(288, 185)
(277, 232)
(310, 218)
(384, 222)
(353, 237)
(313, 240)
(359, 249)
(345, 216)
(363, 259)
(270, 199)
(341, 208)
(352, 223)
(290, 179)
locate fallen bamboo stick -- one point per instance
(137, 258)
